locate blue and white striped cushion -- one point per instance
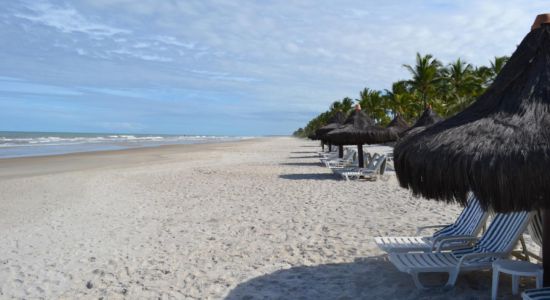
(468, 220)
(499, 237)
(537, 294)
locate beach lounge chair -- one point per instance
(497, 242)
(348, 168)
(376, 167)
(468, 224)
(536, 294)
(347, 160)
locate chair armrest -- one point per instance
(471, 256)
(422, 228)
(440, 241)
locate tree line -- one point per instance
(447, 88)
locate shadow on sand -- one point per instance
(310, 176)
(311, 156)
(316, 164)
(365, 278)
(303, 152)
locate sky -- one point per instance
(226, 67)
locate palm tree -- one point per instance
(374, 104)
(497, 65)
(347, 104)
(461, 85)
(426, 76)
(401, 101)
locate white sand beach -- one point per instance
(256, 219)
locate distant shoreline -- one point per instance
(31, 144)
(28, 166)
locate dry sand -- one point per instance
(257, 219)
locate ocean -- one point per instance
(21, 144)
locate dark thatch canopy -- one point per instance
(378, 135)
(499, 147)
(398, 123)
(352, 132)
(334, 122)
(428, 118)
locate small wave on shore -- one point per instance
(19, 144)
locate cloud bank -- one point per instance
(226, 67)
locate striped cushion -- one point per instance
(535, 228)
(537, 294)
(500, 237)
(468, 221)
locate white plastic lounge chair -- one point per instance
(368, 160)
(375, 167)
(333, 156)
(468, 224)
(536, 294)
(326, 154)
(347, 160)
(497, 242)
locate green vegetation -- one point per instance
(448, 89)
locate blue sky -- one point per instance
(225, 67)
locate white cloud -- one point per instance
(301, 56)
(169, 40)
(67, 19)
(142, 56)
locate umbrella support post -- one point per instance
(323, 146)
(329, 147)
(360, 156)
(546, 247)
(340, 151)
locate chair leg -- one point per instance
(450, 282)
(453, 276)
(417, 282)
(494, 289)
(515, 284)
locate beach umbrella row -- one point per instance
(352, 132)
(498, 147)
(334, 122)
(359, 129)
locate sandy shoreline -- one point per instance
(241, 220)
(25, 166)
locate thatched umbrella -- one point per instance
(428, 118)
(498, 147)
(379, 135)
(333, 123)
(353, 132)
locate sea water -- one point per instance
(20, 144)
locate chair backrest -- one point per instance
(501, 236)
(535, 227)
(383, 166)
(469, 222)
(348, 155)
(373, 162)
(376, 163)
(367, 157)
